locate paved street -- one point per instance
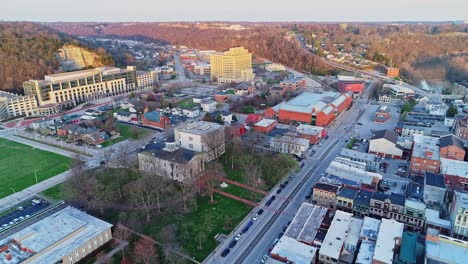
(256, 242)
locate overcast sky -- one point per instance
(233, 10)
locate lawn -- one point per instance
(18, 162)
(127, 131)
(243, 193)
(187, 103)
(207, 219)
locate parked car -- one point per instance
(225, 252)
(255, 217)
(233, 243)
(279, 191)
(260, 212)
(20, 208)
(238, 236)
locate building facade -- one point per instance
(12, 105)
(324, 195)
(234, 65)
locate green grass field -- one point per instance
(18, 163)
(187, 103)
(126, 131)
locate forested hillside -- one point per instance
(28, 51)
(266, 41)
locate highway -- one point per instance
(259, 239)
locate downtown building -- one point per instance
(234, 65)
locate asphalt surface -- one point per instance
(28, 209)
(256, 242)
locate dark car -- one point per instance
(225, 252)
(326, 137)
(260, 212)
(245, 229)
(273, 198)
(233, 243)
(268, 203)
(250, 223)
(279, 191)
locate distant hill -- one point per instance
(30, 51)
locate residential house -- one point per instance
(225, 116)
(452, 147)
(155, 119)
(384, 144)
(200, 98)
(324, 194)
(191, 112)
(208, 106)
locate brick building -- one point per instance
(313, 133)
(460, 128)
(382, 114)
(155, 119)
(425, 156)
(265, 125)
(451, 147)
(455, 173)
(324, 195)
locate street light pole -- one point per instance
(14, 192)
(35, 175)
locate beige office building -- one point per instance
(71, 88)
(13, 105)
(234, 65)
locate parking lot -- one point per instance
(21, 212)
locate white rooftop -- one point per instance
(292, 140)
(294, 251)
(389, 231)
(353, 154)
(345, 171)
(370, 228)
(426, 147)
(411, 203)
(265, 122)
(308, 129)
(454, 167)
(444, 249)
(354, 231)
(433, 218)
(198, 127)
(337, 232)
(308, 102)
(366, 251)
(69, 228)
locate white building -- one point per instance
(384, 144)
(125, 116)
(13, 105)
(272, 67)
(208, 106)
(147, 79)
(201, 136)
(192, 112)
(290, 145)
(292, 250)
(334, 240)
(388, 239)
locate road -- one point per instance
(256, 242)
(181, 76)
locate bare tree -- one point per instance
(142, 195)
(186, 192)
(124, 154)
(201, 238)
(145, 251)
(107, 153)
(215, 143)
(211, 177)
(236, 149)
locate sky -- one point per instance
(232, 10)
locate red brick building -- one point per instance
(350, 82)
(222, 97)
(425, 156)
(318, 109)
(252, 119)
(293, 84)
(312, 133)
(382, 114)
(155, 119)
(265, 125)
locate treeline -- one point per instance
(267, 41)
(27, 51)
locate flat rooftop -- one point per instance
(69, 228)
(366, 251)
(353, 154)
(354, 231)
(265, 122)
(198, 127)
(291, 140)
(444, 249)
(333, 242)
(309, 130)
(454, 167)
(385, 245)
(308, 102)
(305, 217)
(426, 147)
(433, 218)
(74, 75)
(357, 175)
(294, 251)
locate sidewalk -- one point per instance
(106, 258)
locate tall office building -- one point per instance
(81, 86)
(234, 65)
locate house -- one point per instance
(252, 119)
(244, 88)
(434, 189)
(208, 106)
(201, 136)
(293, 83)
(226, 116)
(265, 125)
(222, 97)
(171, 161)
(191, 112)
(425, 155)
(382, 115)
(155, 119)
(289, 145)
(96, 138)
(312, 133)
(384, 144)
(125, 116)
(66, 129)
(452, 147)
(455, 173)
(324, 195)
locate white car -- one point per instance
(255, 217)
(238, 236)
